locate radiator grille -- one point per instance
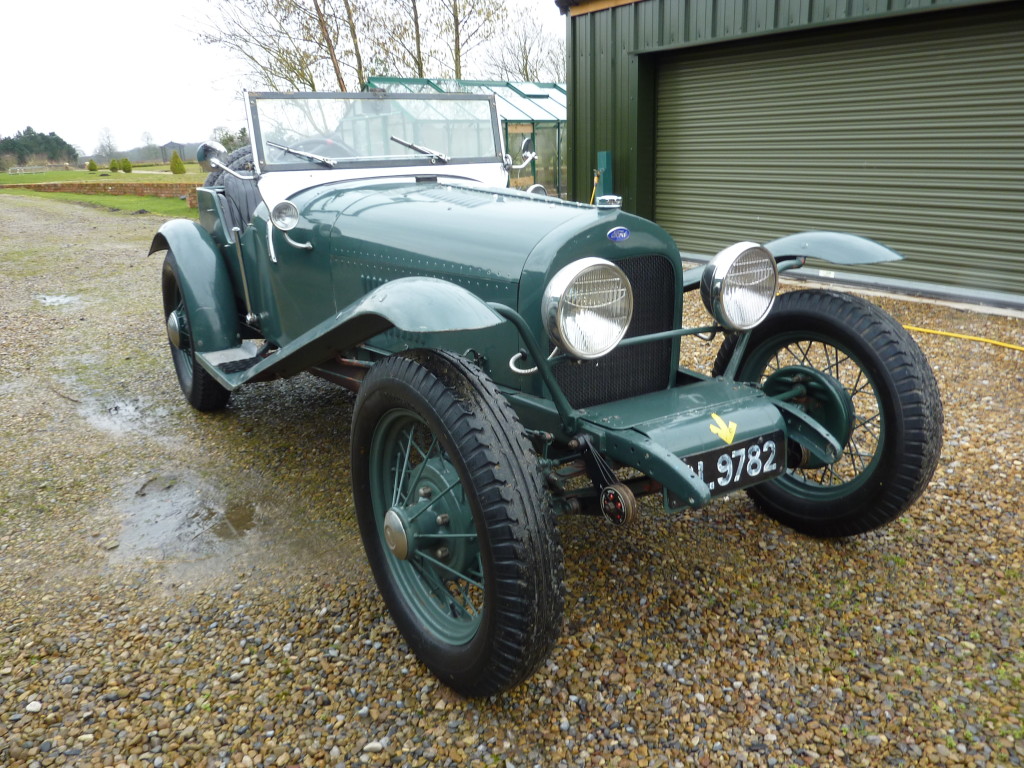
(630, 371)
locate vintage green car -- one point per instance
(516, 357)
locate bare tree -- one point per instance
(107, 148)
(467, 24)
(266, 35)
(309, 45)
(149, 151)
(402, 38)
(557, 60)
(303, 45)
(328, 39)
(417, 36)
(408, 30)
(526, 53)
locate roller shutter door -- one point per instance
(908, 131)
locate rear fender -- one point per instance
(836, 247)
(205, 283)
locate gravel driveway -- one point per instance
(187, 589)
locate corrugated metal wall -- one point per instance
(610, 74)
(910, 132)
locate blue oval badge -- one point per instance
(618, 235)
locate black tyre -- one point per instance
(237, 160)
(457, 527)
(896, 433)
(241, 196)
(199, 387)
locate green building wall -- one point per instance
(612, 69)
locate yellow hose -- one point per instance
(968, 338)
(593, 192)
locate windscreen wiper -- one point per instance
(307, 155)
(435, 156)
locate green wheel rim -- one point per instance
(426, 529)
(863, 450)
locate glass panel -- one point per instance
(357, 128)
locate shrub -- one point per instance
(177, 166)
(115, 166)
(92, 165)
(126, 165)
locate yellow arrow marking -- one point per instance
(726, 432)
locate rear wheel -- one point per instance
(457, 527)
(199, 387)
(241, 195)
(891, 443)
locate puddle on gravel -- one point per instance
(169, 517)
(56, 301)
(121, 416)
(176, 519)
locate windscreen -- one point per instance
(337, 130)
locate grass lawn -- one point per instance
(148, 173)
(171, 207)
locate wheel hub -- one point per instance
(825, 399)
(174, 329)
(395, 534)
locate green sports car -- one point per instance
(516, 358)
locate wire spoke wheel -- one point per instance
(426, 525)
(456, 524)
(885, 410)
(863, 447)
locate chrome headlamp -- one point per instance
(285, 216)
(739, 285)
(587, 307)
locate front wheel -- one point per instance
(457, 527)
(202, 391)
(892, 441)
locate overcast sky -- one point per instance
(134, 67)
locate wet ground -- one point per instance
(95, 438)
(180, 588)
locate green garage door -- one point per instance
(909, 131)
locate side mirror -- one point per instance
(526, 154)
(537, 189)
(209, 151)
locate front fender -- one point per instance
(411, 304)
(205, 283)
(427, 305)
(836, 247)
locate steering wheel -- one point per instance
(325, 145)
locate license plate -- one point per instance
(741, 464)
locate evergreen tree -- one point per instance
(115, 166)
(92, 165)
(177, 166)
(29, 145)
(126, 165)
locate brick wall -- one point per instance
(188, 191)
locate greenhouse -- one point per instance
(533, 111)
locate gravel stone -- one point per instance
(186, 589)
